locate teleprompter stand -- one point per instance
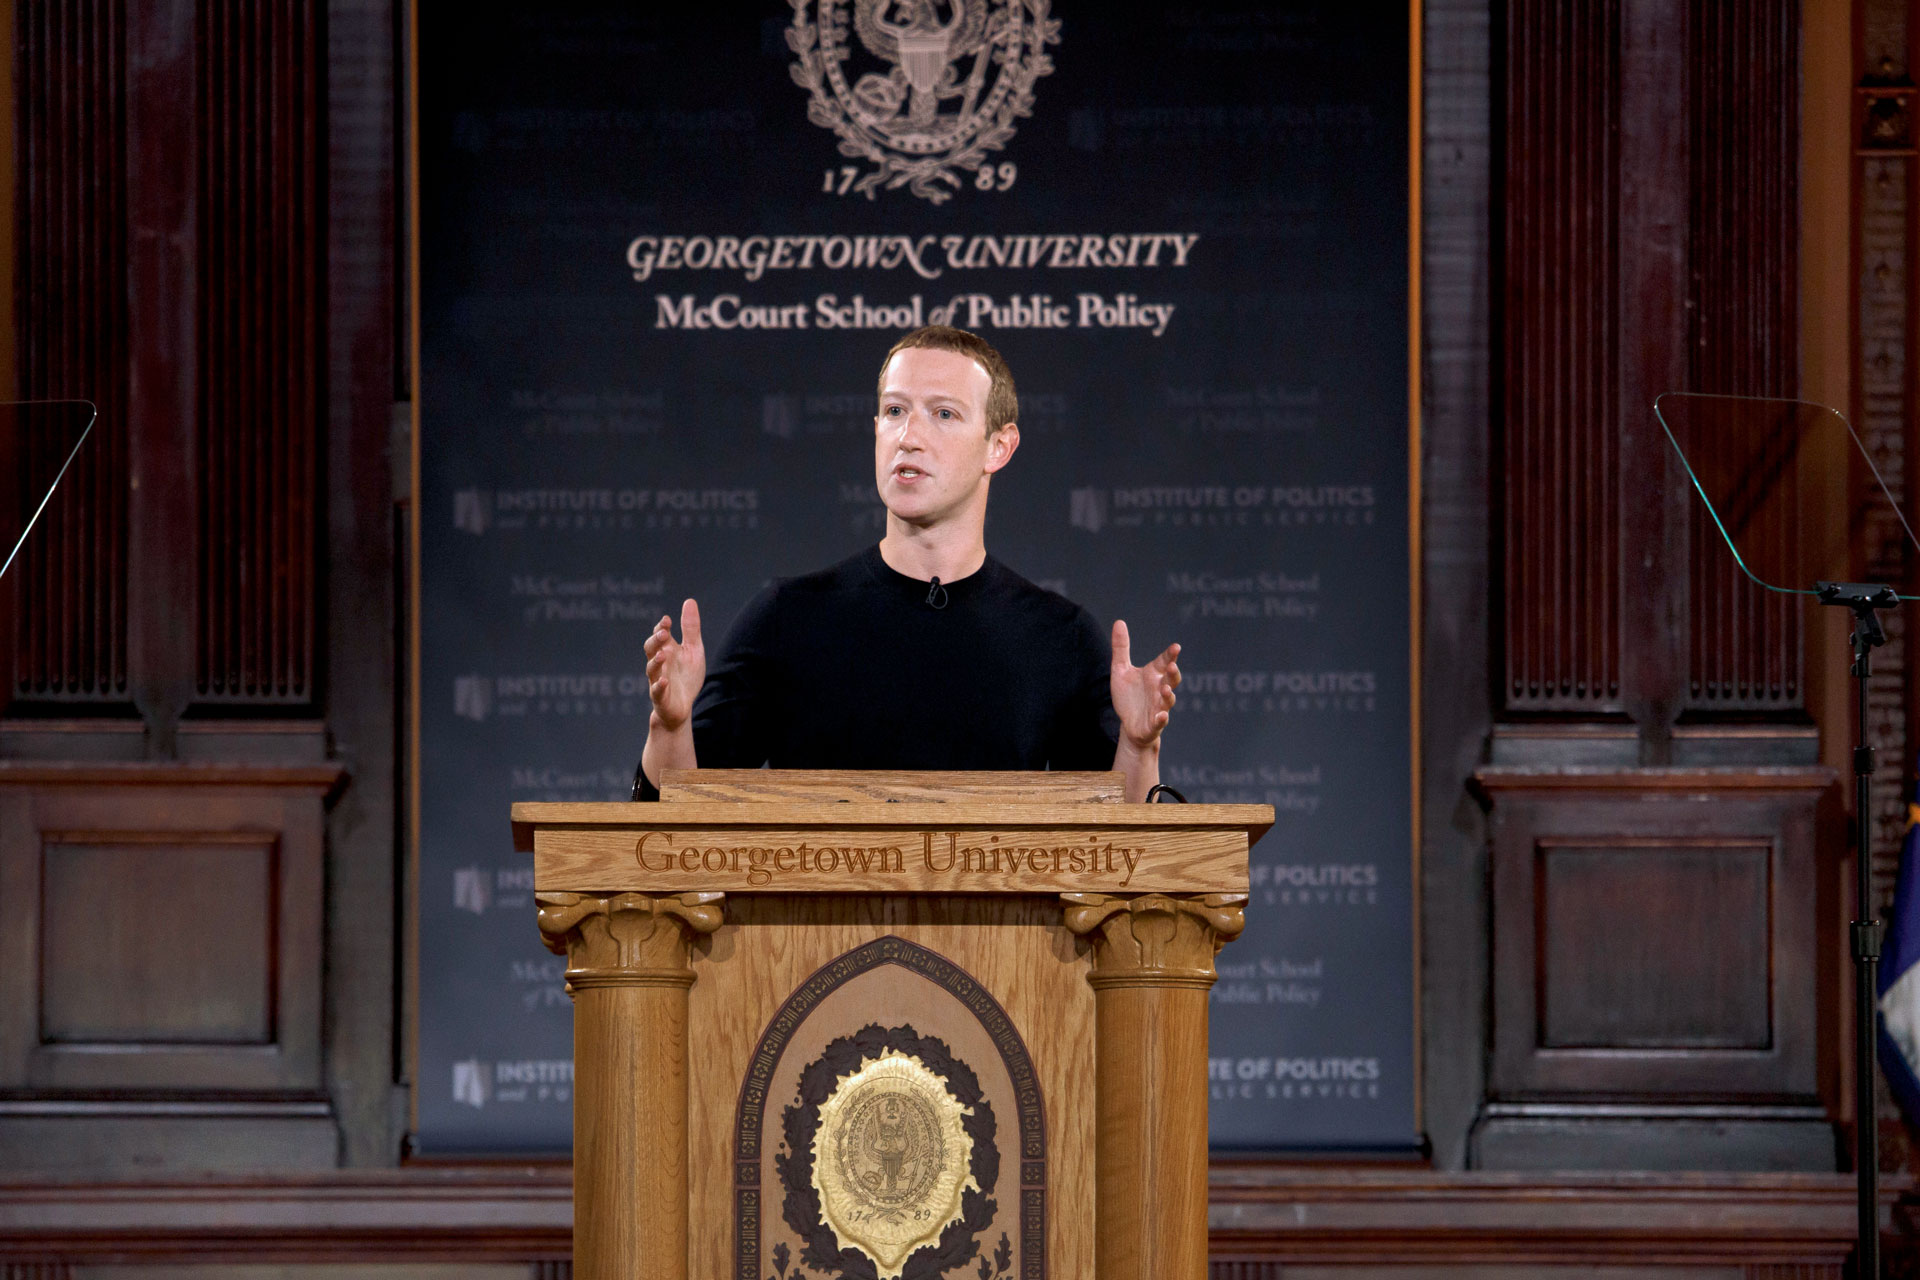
(1865, 600)
(1769, 473)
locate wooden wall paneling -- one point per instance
(244, 178)
(1649, 244)
(1611, 142)
(161, 989)
(1560, 324)
(35, 1271)
(1745, 644)
(363, 582)
(164, 300)
(345, 1219)
(1700, 105)
(259, 312)
(66, 635)
(1591, 997)
(1456, 687)
(1266, 1222)
(175, 260)
(1652, 226)
(126, 957)
(1695, 971)
(1655, 970)
(1599, 1043)
(1414, 1223)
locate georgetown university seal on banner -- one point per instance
(947, 79)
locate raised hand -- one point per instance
(1142, 696)
(675, 668)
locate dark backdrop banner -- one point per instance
(663, 249)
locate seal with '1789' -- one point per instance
(891, 1159)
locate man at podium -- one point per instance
(923, 652)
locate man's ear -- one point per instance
(1001, 446)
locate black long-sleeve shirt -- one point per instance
(854, 668)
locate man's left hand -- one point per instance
(1142, 696)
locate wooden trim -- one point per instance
(10, 225)
(626, 816)
(164, 298)
(360, 610)
(239, 1106)
(410, 907)
(461, 1215)
(323, 778)
(1635, 845)
(1416, 584)
(1456, 222)
(1258, 1212)
(1498, 778)
(1299, 1216)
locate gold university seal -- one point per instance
(891, 1159)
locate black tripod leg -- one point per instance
(1866, 934)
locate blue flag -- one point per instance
(1900, 976)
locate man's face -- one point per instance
(931, 450)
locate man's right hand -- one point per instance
(675, 668)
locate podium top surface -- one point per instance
(530, 816)
(902, 786)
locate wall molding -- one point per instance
(1259, 1214)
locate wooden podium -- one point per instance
(891, 1026)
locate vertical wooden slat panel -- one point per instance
(1745, 644)
(69, 588)
(1562, 339)
(1246, 1270)
(1558, 447)
(261, 334)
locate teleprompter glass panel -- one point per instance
(1775, 477)
(39, 439)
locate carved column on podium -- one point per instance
(1152, 969)
(627, 970)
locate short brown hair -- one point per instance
(1003, 404)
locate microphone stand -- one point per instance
(1864, 600)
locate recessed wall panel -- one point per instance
(158, 942)
(1655, 947)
